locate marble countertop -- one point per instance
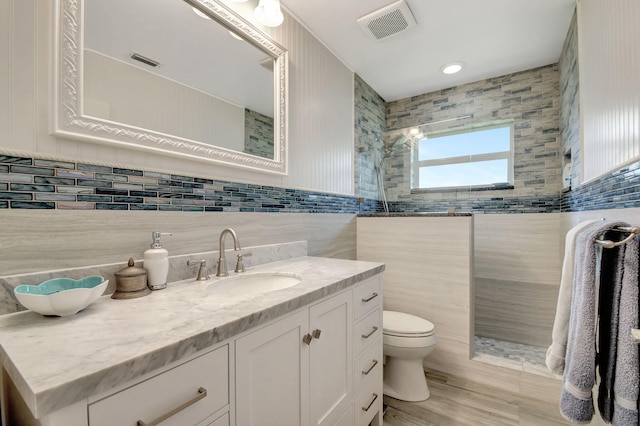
(55, 361)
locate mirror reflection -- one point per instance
(158, 65)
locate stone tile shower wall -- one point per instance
(258, 134)
(369, 117)
(531, 99)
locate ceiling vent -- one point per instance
(391, 20)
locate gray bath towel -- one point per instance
(576, 403)
(556, 353)
(626, 383)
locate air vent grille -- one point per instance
(147, 61)
(391, 20)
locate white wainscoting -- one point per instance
(609, 46)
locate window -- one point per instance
(480, 156)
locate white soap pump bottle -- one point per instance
(156, 262)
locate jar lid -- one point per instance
(131, 270)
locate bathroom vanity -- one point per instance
(310, 354)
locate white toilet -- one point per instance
(406, 339)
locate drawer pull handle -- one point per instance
(375, 396)
(316, 333)
(368, 370)
(202, 393)
(307, 338)
(373, 330)
(370, 298)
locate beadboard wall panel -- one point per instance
(320, 108)
(609, 85)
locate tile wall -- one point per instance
(35, 183)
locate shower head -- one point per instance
(401, 141)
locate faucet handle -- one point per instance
(240, 264)
(203, 273)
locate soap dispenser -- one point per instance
(156, 262)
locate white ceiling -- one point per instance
(492, 38)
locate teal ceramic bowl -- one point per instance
(61, 296)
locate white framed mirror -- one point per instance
(211, 97)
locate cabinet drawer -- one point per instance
(367, 366)
(366, 331)
(159, 395)
(367, 296)
(369, 402)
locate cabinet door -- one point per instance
(272, 384)
(331, 359)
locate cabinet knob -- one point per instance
(316, 333)
(307, 338)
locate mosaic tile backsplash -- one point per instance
(32, 183)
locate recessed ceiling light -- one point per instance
(451, 67)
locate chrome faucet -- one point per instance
(222, 261)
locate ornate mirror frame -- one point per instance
(68, 120)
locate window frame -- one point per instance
(463, 159)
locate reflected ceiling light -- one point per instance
(268, 13)
(200, 13)
(452, 67)
(236, 36)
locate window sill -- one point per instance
(462, 189)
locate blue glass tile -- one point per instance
(213, 209)
(32, 170)
(182, 178)
(95, 198)
(32, 205)
(143, 194)
(15, 196)
(193, 185)
(129, 172)
(94, 183)
(112, 177)
(4, 168)
(205, 181)
(54, 180)
(34, 188)
(4, 186)
(93, 168)
(192, 209)
(169, 195)
(104, 206)
(15, 160)
(170, 208)
(144, 207)
(130, 200)
(54, 197)
(54, 164)
(120, 192)
(4, 204)
(165, 176)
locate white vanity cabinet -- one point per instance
(367, 352)
(321, 366)
(297, 371)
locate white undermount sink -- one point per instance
(248, 283)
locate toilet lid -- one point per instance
(403, 324)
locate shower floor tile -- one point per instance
(529, 359)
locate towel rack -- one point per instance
(632, 230)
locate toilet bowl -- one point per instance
(406, 340)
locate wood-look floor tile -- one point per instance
(460, 402)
